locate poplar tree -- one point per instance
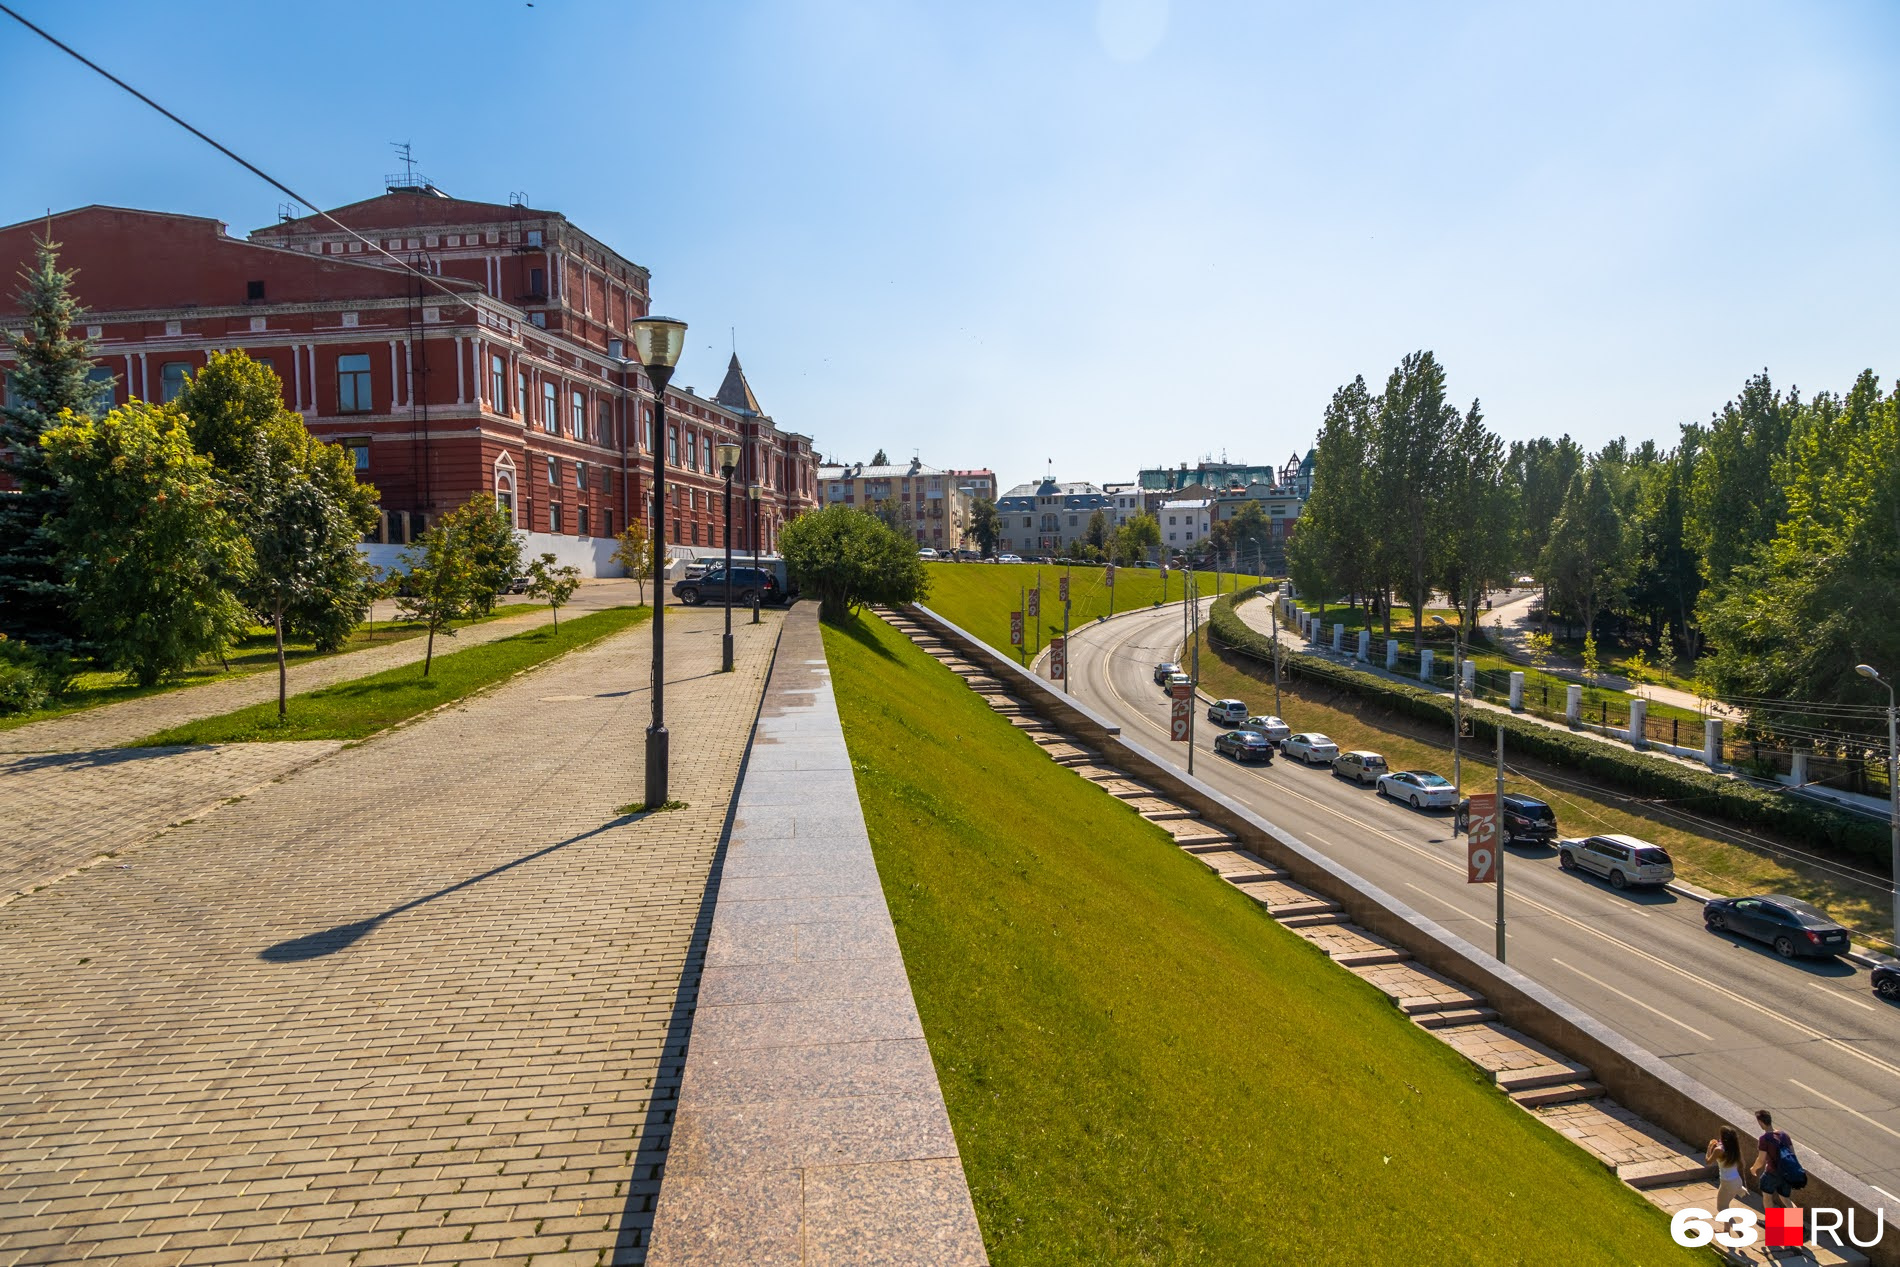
(51, 376)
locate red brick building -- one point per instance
(489, 365)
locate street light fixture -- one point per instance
(657, 343)
(1893, 789)
(1457, 698)
(728, 462)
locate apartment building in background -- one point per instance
(1043, 518)
(486, 358)
(932, 503)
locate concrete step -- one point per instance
(1294, 910)
(1249, 875)
(1418, 1005)
(1664, 1174)
(1308, 921)
(1360, 958)
(1455, 1017)
(1558, 1093)
(1063, 754)
(1535, 1076)
(1211, 844)
(1159, 810)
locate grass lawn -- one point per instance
(358, 709)
(1140, 1066)
(1593, 697)
(256, 652)
(979, 597)
(1354, 618)
(1702, 860)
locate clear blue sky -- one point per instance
(1108, 232)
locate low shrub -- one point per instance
(31, 678)
(1738, 802)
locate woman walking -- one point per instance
(1725, 1154)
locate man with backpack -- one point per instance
(1777, 1170)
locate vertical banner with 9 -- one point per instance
(1481, 842)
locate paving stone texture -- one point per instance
(131, 720)
(423, 1000)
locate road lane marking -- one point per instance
(1633, 999)
(1462, 913)
(1286, 788)
(1843, 1108)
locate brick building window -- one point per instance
(101, 381)
(171, 379)
(549, 419)
(554, 517)
(352, 384)
(580, 476)
(359, 452)
(554, 471)
(606, 419)
(673, 446)
(692, 452)
(498, 384)
(580, 521)
(521, 397)
(606, 523)
(578, 408)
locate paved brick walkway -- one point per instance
(113, 724)
(422, 1001)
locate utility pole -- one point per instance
(1190, 587)
(1893, 789)
(1274, 607)
(1502, 840)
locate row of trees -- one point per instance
(1766, 540)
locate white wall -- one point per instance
(592, 555)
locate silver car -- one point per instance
(1272, 727)
(1359, 766)
(1622, 860)
(1310, 748)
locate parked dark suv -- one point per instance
(745, 584)
(1527, 820)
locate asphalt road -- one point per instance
(1806, 1038)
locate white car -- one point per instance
(927, 554)
(1009, 558)
(1421, 789)
(1228, 712)
(1272, 727)
(1310, 747)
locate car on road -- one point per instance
(1527, 820)
(1788, 924)
(928, 555)
(1009, 558)
(1165, 670)
(1244, 745)
(1887, 981)
(1228, 712)
(1311, 747)
(1177, 679)
(1622, 860)
(1359, 766)
(1421, 789)
(1269, 725)
(744, 583)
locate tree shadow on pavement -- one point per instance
(340, 936)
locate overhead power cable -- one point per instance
(235, 157)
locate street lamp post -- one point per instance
(1893, 789)
(657, 343)
(752, 496)
(1457, 700)
(728, 459)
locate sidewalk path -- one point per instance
(111, 725)
(1513, 624)
(421, 1001)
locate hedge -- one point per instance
(1738, 802)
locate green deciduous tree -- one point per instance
(149, 539)
(1736, 500)
(553, 583)
(1415, 426)
(1336, 550)
(441, 584)
(1584, 559)
(1137, 539)
(849, 558)
(50, 378)
(1475, 542)
(986, 524)
(635, 553)
(487, 532)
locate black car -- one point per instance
(1887, 982)
(1527, 820)
(745, 584)
(1245, 745)
(1788, 924)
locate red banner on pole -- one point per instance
(1062, 588)
(1182, 720)
(1109, 577)
(1481, 842)
(1035, 601)
(1058, 658)
(1015, 629)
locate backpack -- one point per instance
(1787, 1165)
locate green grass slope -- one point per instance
(979, 597)
(359, 708)
(1140, 1066)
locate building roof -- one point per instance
(1191, 503)
(1053, 488)
(859, 471)
(735, 393)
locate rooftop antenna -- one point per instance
(518, 198)
(408, 177)
(286, 212)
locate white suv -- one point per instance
(1228, 712)
(1622, 860)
